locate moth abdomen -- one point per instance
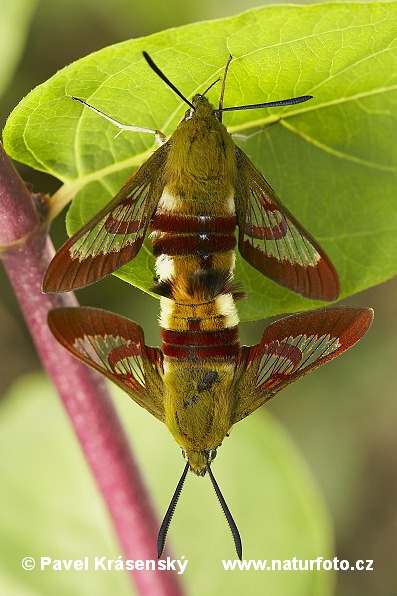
(202, 285)
(210, 283)
(193, 244)
(197, 224)
(186, 234)
(200, 345)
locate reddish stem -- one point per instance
(27, 250)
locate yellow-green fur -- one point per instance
(201, 164)
(203, 425)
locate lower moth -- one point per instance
(202, 382)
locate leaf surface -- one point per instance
(14, 22)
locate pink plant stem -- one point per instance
(26, 252)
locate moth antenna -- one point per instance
(220, 107)
(170, 512)
(166, 80)
(228, 515)
(269, 104)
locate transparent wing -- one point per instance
(292, 347)
(115, 347)
(273, 242)
(114, 236)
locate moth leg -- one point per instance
(159, 136)
(238, 136)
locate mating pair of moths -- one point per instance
(191, 193)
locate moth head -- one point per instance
(201, 108)
(199, 460)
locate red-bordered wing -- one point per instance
(114, 236)
(292, 347)
(273, 242)
(115, 347)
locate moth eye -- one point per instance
(211, 454)
(188, 114)
(184, 455)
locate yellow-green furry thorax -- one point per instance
(198, 413)
(202, 153)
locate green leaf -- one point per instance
(15, 18)
(332, 161)
(50, 506)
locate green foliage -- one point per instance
(15, 17)
(332, 161)
(50, 506)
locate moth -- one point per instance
(192, 193)
(203, 382)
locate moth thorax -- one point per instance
(198, 406)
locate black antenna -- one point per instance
(170, 512)
(269, 104)
(166, 80)
(228, 515)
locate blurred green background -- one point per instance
(343, 417)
